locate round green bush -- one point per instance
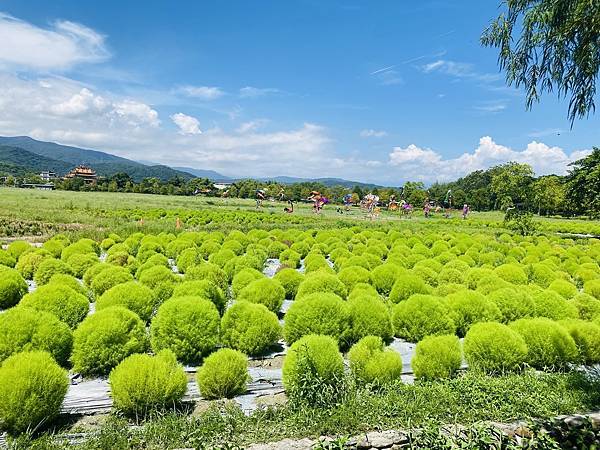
(313, 369)
(290, 258)
(32, 389)
(266, 291)
(131, 295)
(24, 329)
(110, 277)
(369, 316)
(351, 276)
(437, 357)
(314, 261)
(12, 287)
(189, 257)
(106, 338)
(551, 305)
(511, 273)
(155, 260)
(18, 248)
(208, 271)
(188, 326)
(290, 279)
(407, 285)
(541, 274)
(63, 279)
(49, 267)
(222, 257)
(422, 315)
(384, 276)
(320, 313)
(161, 280)
(364, 290)
(475, 274)
(68, 305)
(224, 374)
(92, 271)
(55, 246)
(143, 384)
(587, 339)
(588, 306)
(469, 307)
(202, 288)
(564, 288)
(592, 287)
(243, 278)
(549, 345)
(321, 282)
(250, 328)
(494, 348)
(490, 283)
(29, 263)
(123, 259)
(514, 303)
(450, 276)
(370, 362)
(80, 247)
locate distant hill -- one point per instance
(62, 158)
(21, 161)
(200, 173)
(326, 181)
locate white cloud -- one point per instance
(427, 165)
(61, 46)
(458, 70)
(253, 125)
(137, 113)
(186, 124)
(372, 133)
(202, 92)
(493, 106)
(253, 92)
(80, 103)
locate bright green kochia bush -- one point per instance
(49, 267)
(92, 271)
(549, 345)
(369, 316)
(18, 248)
(437, 357)
(494, 348)
(514, 303)
(106, 338)
(29, 263)
(243, 278)
(371, 362)
(250, 328)
(208, 271)
(551, 305)
(290, 258)
(290, 279)
(81, 246)
(420, 316)
(32, 389)
(132, 295)
(12, 287)
(592, 287)
(564, 288)
(142, 384)
(407, 285)
(320, 282)
(469, 307)
(190, 257)
(587, 339)
(161, 280)
(541, 274)
(110, 277)
(490, 283)
(62, 279)
(224, 374)
(588, 306)
(511, 273)
(320, 313)
(266, 291)
(202, 288)
(351, 276)
(188, 326)
(384, 276)
(313, 370)
(24, 329)
(69, 306)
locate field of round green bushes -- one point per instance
(137, 308)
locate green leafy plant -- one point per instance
(437, 357)
(420, 316)
(318, 281)
(371, 362)
(290, 279)
(407, 285)
(132, 295)
(266, 291)
(202, 288)
(49, 267)
(224, 374)
(12, 287)
(250, 328)
(470, 307)
(69, 306)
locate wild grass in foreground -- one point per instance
(465, 400)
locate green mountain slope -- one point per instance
(23, 160)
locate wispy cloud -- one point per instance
(385, 69)
(202, 92)
(253, 92)
(545, 132)
(372, 133)
(492, 106)
(458, 70)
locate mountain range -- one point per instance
(22, 154)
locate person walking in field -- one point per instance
(289, 209)
(260, 196)
(317, 199)
(465, 211)
(282, 194)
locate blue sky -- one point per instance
(384, 91)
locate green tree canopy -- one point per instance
(550, 45)
(583, 184)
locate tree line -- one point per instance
(497, 188)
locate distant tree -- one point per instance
(583, 185)
(358, 191)
(548, 194)
(414, 192)
(510, 184)
(121, 179)
(550, 45)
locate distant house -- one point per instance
(43, 187)
(47, 176)
(221, 186)
(86, 173)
